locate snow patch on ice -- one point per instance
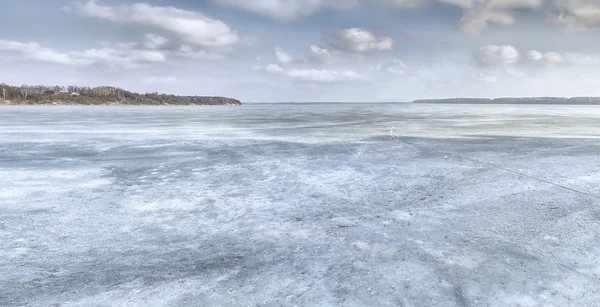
(165, 204)
(96, 183)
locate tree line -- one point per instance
(41, 94)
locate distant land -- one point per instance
(102, 95)
(523, 100)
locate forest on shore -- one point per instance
(101, 95)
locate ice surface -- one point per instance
(288, 205)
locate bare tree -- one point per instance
(24, 91)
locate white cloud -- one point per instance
(570, 58)
(349, 43)
(154, 41)
(363, 40)
(535, 55)
(115, 57)
(190, 27)
(285, 9)
(507, 55)
(545, 58)
(320, 54)
(579, 58)
(324, 75)
(282, 56)
(36, 52)
(124, 57)
(514, 72)
(394, 67)
(554, 57)
(274, 68)
(311, 74)
(497, 55)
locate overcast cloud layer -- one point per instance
(308, 50)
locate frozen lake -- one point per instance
(300, 205)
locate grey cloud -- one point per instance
(478, 15)
(577, 14)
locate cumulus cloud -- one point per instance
(282, 56)
(362, 40)
(491, 55)
(285, 9)
(535, 55)
(190, 27)
(569, 58)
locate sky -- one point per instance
(307, 50)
